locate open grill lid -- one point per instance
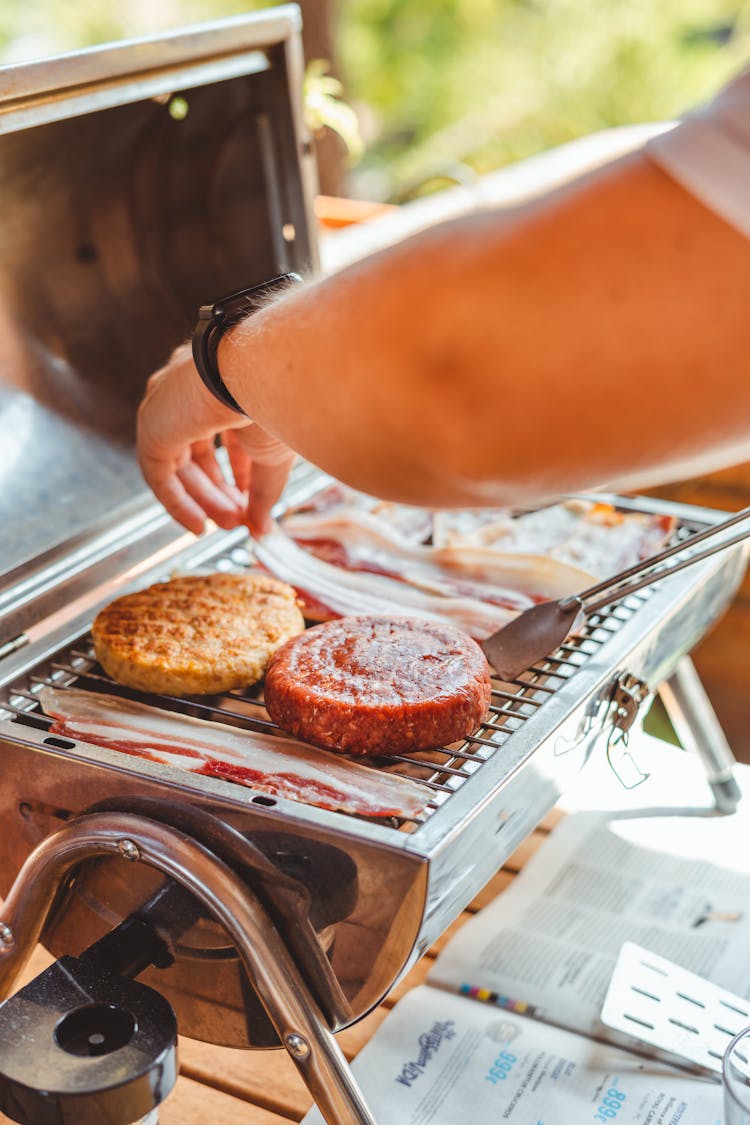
(137, 181)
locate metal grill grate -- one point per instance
(443, 770)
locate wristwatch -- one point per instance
(213, 322)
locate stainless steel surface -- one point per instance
(689, 1019)
(412, 878)
(542, 629)
(695, 724)
(227, 897)
(366, 946)
(531, 636)
(137, 181)
(30, 898)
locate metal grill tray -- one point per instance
(414, 877)
(443, 770)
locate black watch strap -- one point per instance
(214, 320)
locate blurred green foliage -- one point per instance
(325, 108)
(439, 83)
(489, 81)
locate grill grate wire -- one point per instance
(442, 771)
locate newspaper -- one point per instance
(546, 947)
(541, 957)
(441, 1059)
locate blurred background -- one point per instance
(407, 95)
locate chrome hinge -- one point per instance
(13, 645)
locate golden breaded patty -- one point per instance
(196, 635)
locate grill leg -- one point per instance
(698, 729)
(273, 972)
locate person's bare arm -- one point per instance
(600, 335)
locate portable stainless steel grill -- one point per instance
(262, 921)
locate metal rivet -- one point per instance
(6, 934)
(297, 1045)
(128, 850)
(288, 232)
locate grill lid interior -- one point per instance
(137, 181)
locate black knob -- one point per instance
(83, 1046)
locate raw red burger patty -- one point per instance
(378, 685)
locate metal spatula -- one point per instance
(540, 630)
(672, 1009)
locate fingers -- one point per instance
(189, 495)
(269, 462)
(239, 460)
(194, 489)
(204, 455)
(168, 488)
(177, 421)
(221, 503)
(266, 486)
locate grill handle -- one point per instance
(269, 965)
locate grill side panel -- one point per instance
(551, 747)
(366, 902)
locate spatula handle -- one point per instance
(646, 565)
(657, 575)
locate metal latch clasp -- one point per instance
(628, 696)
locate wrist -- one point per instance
(214, 321)
(209, 407)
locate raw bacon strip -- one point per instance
(516, 581)
(350, 593)
(280, 767)
(347, 521)
(412, 525)
(485, 555)
(583, 533)
(536, 578)
(588, 534)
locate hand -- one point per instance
(178, 421)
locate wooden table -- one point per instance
(224, 1086)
